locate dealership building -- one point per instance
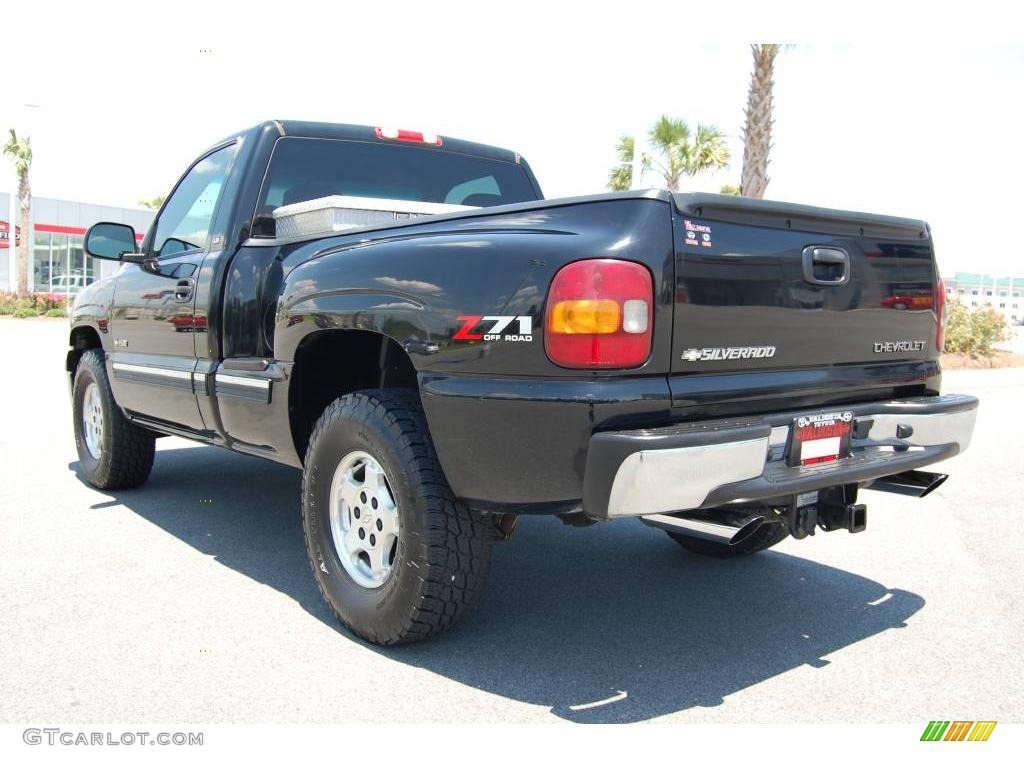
(57, 261)
(1003, 294)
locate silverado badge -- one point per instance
(727, 353)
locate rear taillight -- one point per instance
(399, 134)
(940, 315)
(600, 314)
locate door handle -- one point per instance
(183, 290)
(826, 266)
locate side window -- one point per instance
(185, 221)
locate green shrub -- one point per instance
(44, 302)
(34, 305)
(974, 333)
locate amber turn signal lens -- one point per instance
(585, 316)
(600, 315)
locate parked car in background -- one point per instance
(70, 284)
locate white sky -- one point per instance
(929, 128)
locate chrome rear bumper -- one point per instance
(708, 464)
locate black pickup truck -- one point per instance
(440, 349)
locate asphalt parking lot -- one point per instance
(190, 600)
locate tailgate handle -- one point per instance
(825, 265)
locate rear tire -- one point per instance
(766, 536)
(372, 480)
(112, 452)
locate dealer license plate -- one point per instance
(819, 437)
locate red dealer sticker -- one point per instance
(697, 234)
(819, 438)
(5, 235)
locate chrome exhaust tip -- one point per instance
(702, 526)
(910, 483)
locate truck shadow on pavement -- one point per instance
(606, 624)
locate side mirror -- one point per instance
(108, 240)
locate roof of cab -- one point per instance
(315, 130)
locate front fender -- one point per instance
(91, 309)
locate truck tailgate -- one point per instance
(762, 285)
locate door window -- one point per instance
(185, 220)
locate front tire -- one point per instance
(396, 556)
(112, 452)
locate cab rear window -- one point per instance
(306, 169)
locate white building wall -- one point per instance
(1008, 300)
(76, 214)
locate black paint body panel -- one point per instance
(742, 280)
(413, 285)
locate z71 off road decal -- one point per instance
(494, 327)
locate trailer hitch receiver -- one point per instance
(831, 509)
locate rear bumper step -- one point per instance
(709, 464)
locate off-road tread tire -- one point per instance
(451, 551)
(128, 449)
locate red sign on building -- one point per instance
(4, 235)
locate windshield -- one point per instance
(307, 169)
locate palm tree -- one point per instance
(20, 153)
(757, 132)
(677, 152)
(621, 176)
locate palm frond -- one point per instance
(668, 133)
(624, 149)
(677, 152)
(20, 153)
(710, 151)
(620, 178)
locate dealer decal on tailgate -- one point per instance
(819, 438)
